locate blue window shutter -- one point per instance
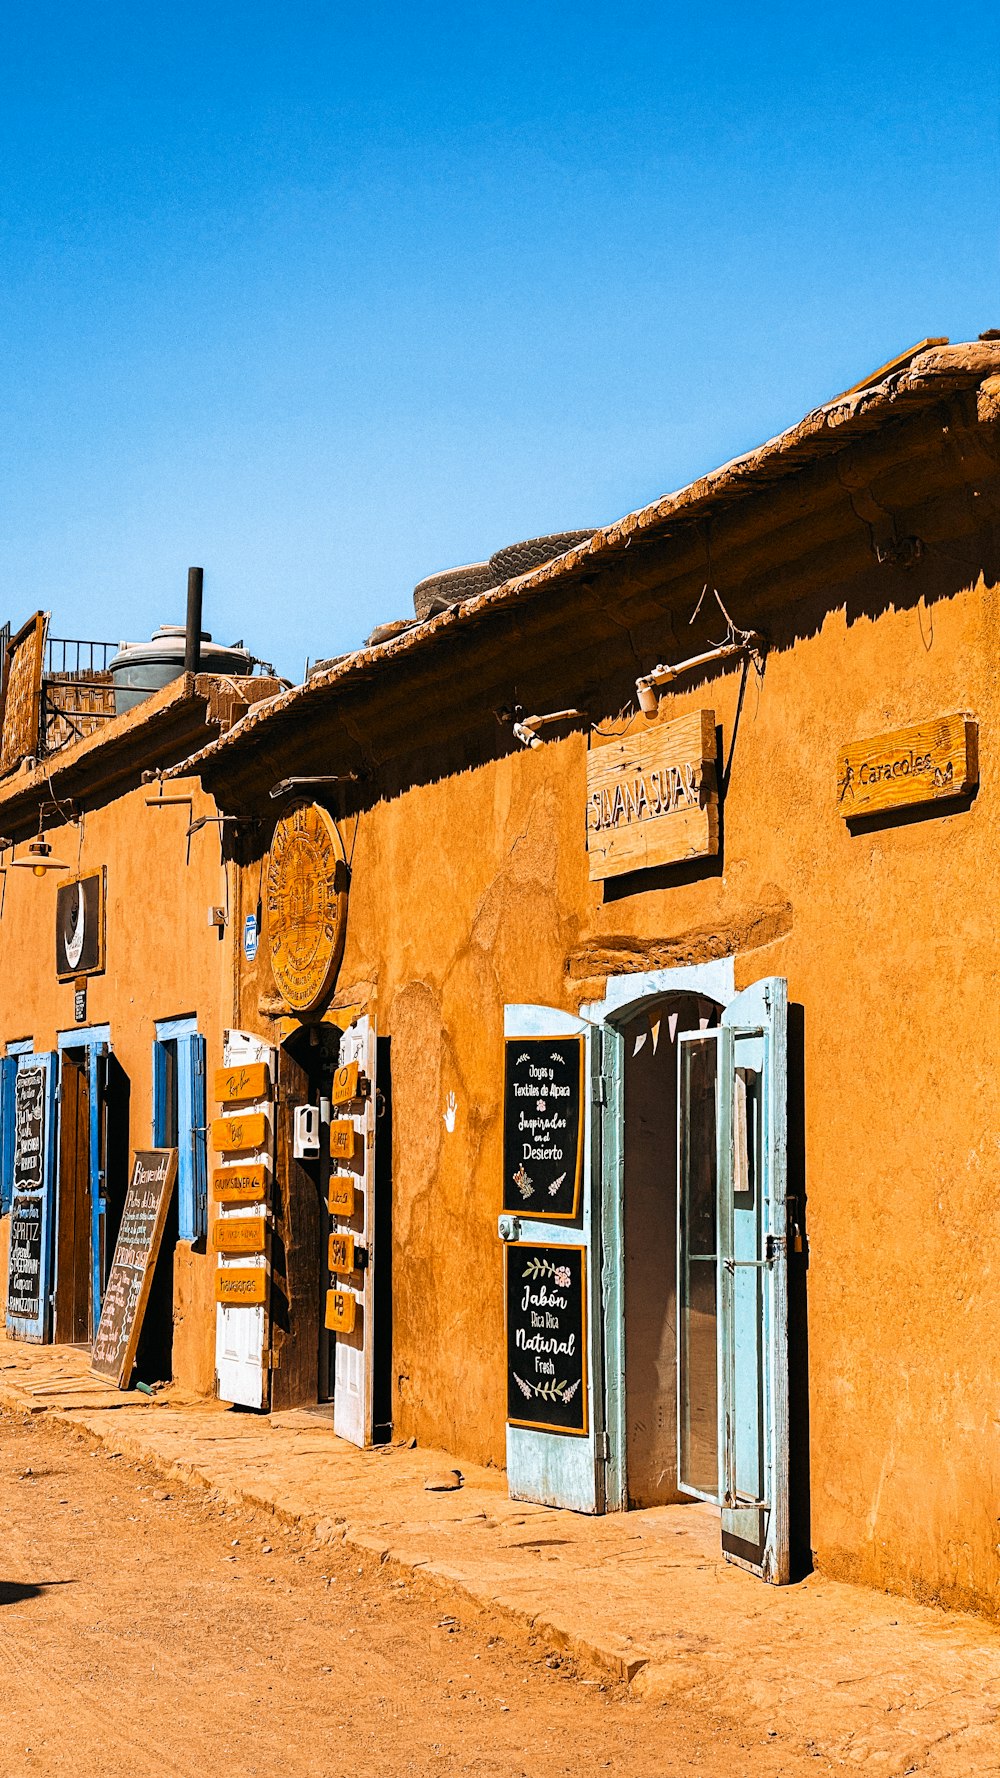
(8, 1075)
(160, 1089)
(192, 1171)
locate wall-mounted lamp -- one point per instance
(527, 728)
(38, 858)
(287, 786)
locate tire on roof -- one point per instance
(520, 558)
(450, 587)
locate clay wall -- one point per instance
(472, 891)
(163, 961)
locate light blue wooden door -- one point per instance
(560, 1465)
(29, 1285)
(753, 1280)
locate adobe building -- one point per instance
(582, 1068)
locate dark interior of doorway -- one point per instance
(650, 1246)
(74, 1317)
(301, 1372)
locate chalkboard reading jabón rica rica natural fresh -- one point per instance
(546, 1337)
(542, 1145)
(26, 1222)
(132, 1269)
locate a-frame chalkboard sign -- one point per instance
(153, 1173)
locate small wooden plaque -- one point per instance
(239, 1234)
(652, 796)
(342, 1196)
(231, 1134)
(341, 1253)
(345, 1084)
(235, 1084)
(928, 763)
(240, 1185)
(342, 1140)
(341, 1311)
(235, 1285)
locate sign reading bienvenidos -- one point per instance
(546, 1337)
(652, 796)
(927, 763)
(306, 905)
(543, 1125)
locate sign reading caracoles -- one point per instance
(542, 1125)
(546, 1337)
(652, 796)
(931, 762)
(306, 905)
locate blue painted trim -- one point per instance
(8, 1078)
(85, 1037)
(25, 1046)
(166, 1029)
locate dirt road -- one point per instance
(146, 1630)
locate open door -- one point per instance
(551, 1230)
(753, 1281)
(732, 1276)
(29, 1279)
(352, 1255)
(102, 1238)
(242, 1330)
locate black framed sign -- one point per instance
(543, 1125)
(27, 1222)
(80, 926)
(546, 1336)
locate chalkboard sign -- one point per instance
(138, 1244)
(546, 1337)
(543, 1125)
(24, 1278)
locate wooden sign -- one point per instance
(241, 1285)
(239, 1234)
(546, 1337)
(306, 905)
(240, 1185)
(341, 1311)
(652, 796)
(928, 763)
(230, 1134)
(27, 1219)
(346, 1084)
(139, 1235)
(343, 1136)
(22, 693)
(341, 1256)
(342, 1196)
(80, 934)
(543, 1125)
(249, 1082)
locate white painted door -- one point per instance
(242, 1331)
(354, 1353)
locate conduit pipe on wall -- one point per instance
(748, 642)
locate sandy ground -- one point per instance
(146, 1629)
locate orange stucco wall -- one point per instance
(473, 891)
(163, 961)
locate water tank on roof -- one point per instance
(140, 668)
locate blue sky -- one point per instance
(326, 298)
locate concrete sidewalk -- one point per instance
(857, 1678)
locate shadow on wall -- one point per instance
(798, 1305)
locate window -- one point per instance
(179, 1118)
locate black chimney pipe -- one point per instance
(192, 640)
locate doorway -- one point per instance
(93, 1170)
(669, 1334)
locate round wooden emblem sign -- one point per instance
(306, 905)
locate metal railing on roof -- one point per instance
(75, 657)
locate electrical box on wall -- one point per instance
(305, 1132)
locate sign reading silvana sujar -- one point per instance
(652, 796)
